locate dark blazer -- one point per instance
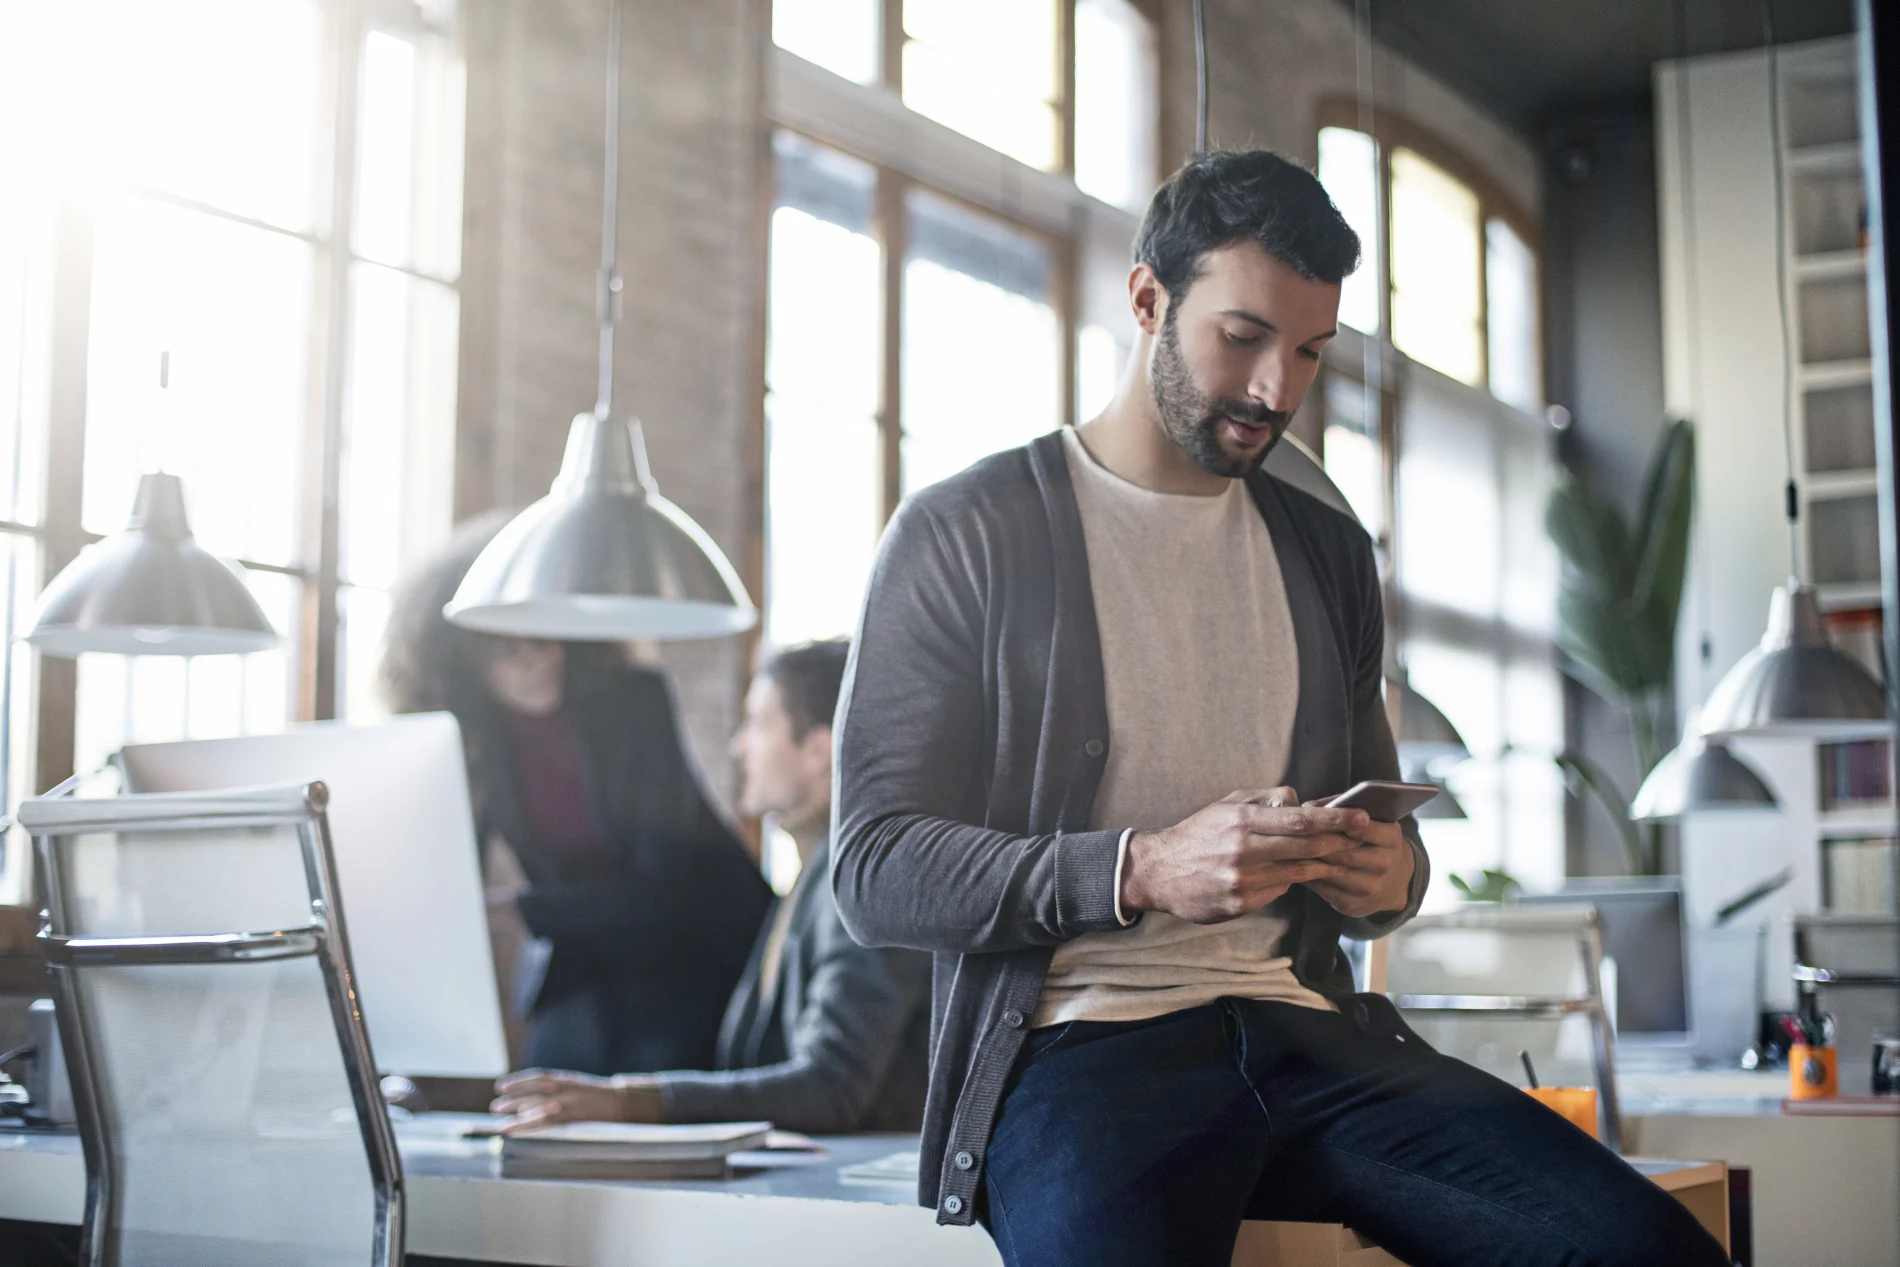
(972, 735)
(840, 1044)
(660, 941)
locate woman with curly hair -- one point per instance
(642, 901)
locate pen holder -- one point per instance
(1813, 1072)
(1576, 1105)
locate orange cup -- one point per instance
(1813, 1072)
(1576, 1105)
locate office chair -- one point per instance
(227, 1097)
(1485, 982)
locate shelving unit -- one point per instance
(1722, 303)
(1825, 210)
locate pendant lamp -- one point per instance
(603, 557)
(150, 590)
(1797, 683)
(1444, 805)
(1701, 776)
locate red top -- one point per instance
(554, 795)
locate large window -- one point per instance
(999, 71)
(824, 453)
(1448, 273)
(982, 345)
(880, 381)
(1448, 465)
(260, 299)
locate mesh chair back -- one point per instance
(1485, 983)
(224, 1082)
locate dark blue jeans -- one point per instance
(1147, 1142)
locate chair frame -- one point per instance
(300, 806)
(1545, 1007)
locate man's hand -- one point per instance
(1237, 855)
(542, 1097)
(1377, 875)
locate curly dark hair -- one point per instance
(431, 665)
(1227, 196)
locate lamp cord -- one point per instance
(1200, 77)
(608, 300)
(1793, 501)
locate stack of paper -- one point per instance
(625, 1150)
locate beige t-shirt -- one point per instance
(1202, 677)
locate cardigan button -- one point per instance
(953, 1205)
(1093, 747)
(964, 1160)
(1013, 1019)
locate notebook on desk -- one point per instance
(628, 1150)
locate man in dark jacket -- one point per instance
(821, 1034)
(1090, 675)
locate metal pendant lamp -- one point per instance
(150, 590)
(1444, 805)
(1425, 733)
(1701, 775)
(1797, 683)
(603, 557)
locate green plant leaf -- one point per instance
(1661, 550)
(1621, 589)
(1585, 775)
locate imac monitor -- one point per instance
(1642, 926)
(407, 868)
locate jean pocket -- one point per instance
(1041, 1042)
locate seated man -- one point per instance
(821, 1034)
(1090, 674)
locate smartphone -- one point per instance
(1384, 802)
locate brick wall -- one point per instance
(690, 252)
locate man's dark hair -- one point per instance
(808, 678)
(1228, 196)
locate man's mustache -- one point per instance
(1252, 412)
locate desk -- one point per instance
(460, 1207)
(1824, 1188)
(792, 1216)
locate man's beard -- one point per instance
(1191, 418)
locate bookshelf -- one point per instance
(1728, 270)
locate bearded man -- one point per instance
(1090, 675)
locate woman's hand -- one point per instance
(542, 1097)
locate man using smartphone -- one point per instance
(1090, 675)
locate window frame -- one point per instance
(905, 149)
(890, 227)
(1392, 130)
(316, 688)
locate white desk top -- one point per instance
(794, 1215)
(798, 1214)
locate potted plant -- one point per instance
(1617, 608)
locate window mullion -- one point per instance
(893, 238)
(891, 46)
(1065, 69)
(64, 536)
(323, 449)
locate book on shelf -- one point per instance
(1855, 774)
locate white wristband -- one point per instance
(1121, 856)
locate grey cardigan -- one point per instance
(972, 734)
(841, 1043)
